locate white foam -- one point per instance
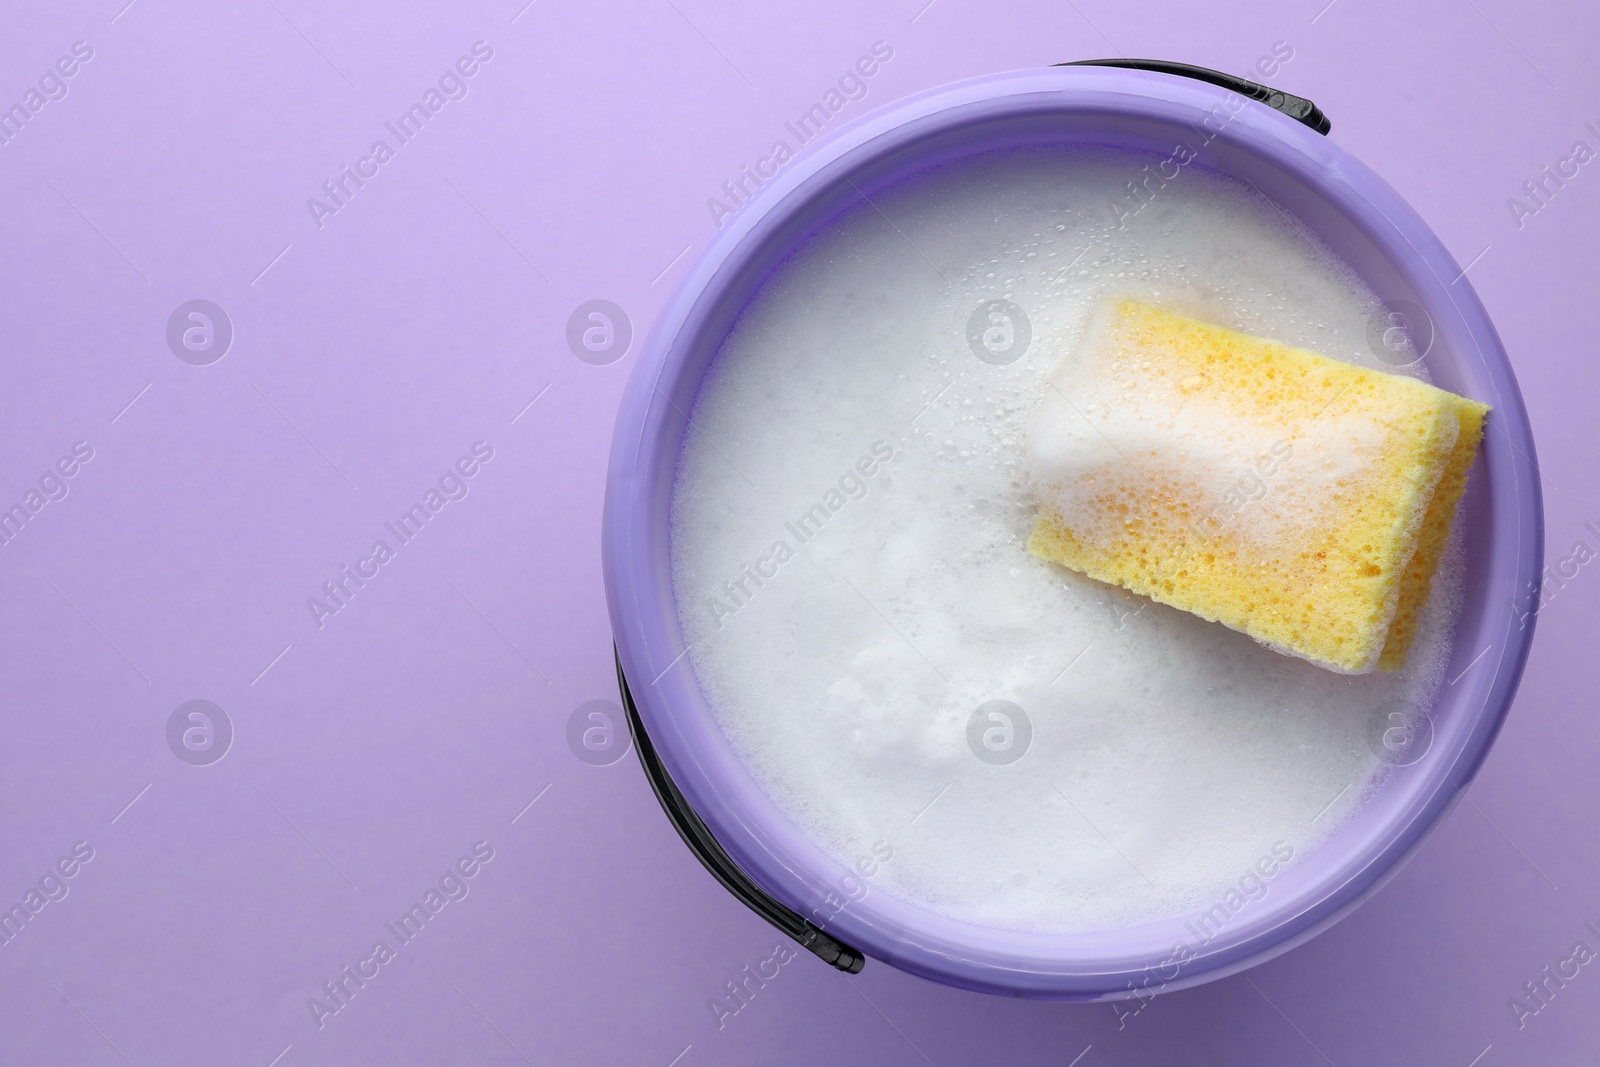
(1168, 755)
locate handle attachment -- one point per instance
(1296, 107)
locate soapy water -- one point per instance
(849, 516)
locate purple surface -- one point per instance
(368, 355)
(1364, 222)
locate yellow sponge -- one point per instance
(1436, 523)
(1298, 499)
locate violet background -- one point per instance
(424, 316)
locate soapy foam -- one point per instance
(846, 616)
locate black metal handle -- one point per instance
(1296, 107)
(711, 855)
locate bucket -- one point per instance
(1269, 139)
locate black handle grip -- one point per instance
(711, 855)
(1296, 107)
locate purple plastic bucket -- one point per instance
(1359, 217)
